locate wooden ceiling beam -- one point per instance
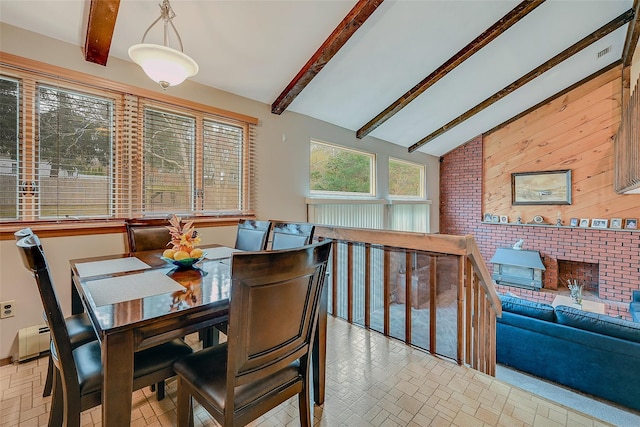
(570, 51)
(633, 34)
(349, 25)
(502, 25)
(100, 26)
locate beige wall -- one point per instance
(635, 67)
(282, 172)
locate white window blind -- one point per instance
(169, 149)
(9, 160)
(223, 167)
(74, 168)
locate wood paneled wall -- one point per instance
(574, 131)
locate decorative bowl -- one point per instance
(184, 263)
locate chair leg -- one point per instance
(184, 406)
(57, 401)
(160, 390)
(304, 406)
(48, 382)
(209, 336)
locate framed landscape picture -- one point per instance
(541, 188)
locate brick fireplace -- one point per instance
(585, 273)
(615, 252)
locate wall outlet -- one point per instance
(8, 309)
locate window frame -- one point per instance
(423, 184)
(373, 161)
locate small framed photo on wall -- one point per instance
(574, 222)
(504, 219)
(487, 217)
(584, 222)
(631, 223)
(616, 222)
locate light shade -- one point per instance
(164, 65)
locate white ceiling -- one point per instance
(255, 48)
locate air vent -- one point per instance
(604, 51)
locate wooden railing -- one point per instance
(431, 291)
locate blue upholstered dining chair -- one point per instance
(78, 377)
(252, 235)
(286, 235)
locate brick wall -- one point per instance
(617, 253)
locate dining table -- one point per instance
(139, 300)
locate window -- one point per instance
(74, 169)
(169, 149)
(88, 150)
(223, 166)
(406, 179)
(9, 126)
(341, 171)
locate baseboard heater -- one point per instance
(33, 341)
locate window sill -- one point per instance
(83, 228)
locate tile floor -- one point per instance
(371, 381)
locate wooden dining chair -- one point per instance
(286, 235)
(273, 315)
(78, 377)
(78, 326)
(252, 235)
(144, 237)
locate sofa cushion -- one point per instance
(528, 308)
(598, 323)
(634, 309)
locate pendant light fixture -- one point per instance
(164, 65)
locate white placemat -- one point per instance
(110, 266)
(131, 287)
(220, 252)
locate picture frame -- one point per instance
(487, 217)
(541, 188)
(616, 223)
(631, 224)
(574, 222)
(584, 222)
(495, 218)
(599, 223)
(504, 219)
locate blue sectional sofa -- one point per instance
(592, 353)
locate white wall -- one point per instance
(282, 173)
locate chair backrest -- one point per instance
(273, 311)
(21, 234)
(288, 235)
(252, 235)
(34, 260)
(143, 237)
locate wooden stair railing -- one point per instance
(355, 294)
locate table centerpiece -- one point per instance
(184, 252)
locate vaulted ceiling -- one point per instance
(427, 75)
